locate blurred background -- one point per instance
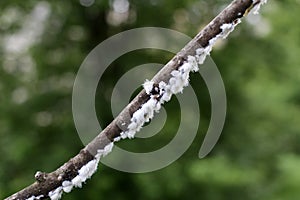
(43, 43)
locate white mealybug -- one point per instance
(194, 65)
(103, 152)
(55, 194)
(123, 135)
(77, 181)
(165, 92)
(67, 186)
(148, 86)
(117, 139)
(108, 148)
(201, 54)
(34, 197)
(88, 170)
(257, 4)
(227, 29)
(142, 115)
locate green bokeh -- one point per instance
(257, 156)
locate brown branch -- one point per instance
(49, 182)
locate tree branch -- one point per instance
(81, 167)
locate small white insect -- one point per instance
(56, 194)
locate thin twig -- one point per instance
(48, 182)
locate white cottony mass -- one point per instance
(258, 4)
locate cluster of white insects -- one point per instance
(159, 93)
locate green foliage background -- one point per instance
(257, 156)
